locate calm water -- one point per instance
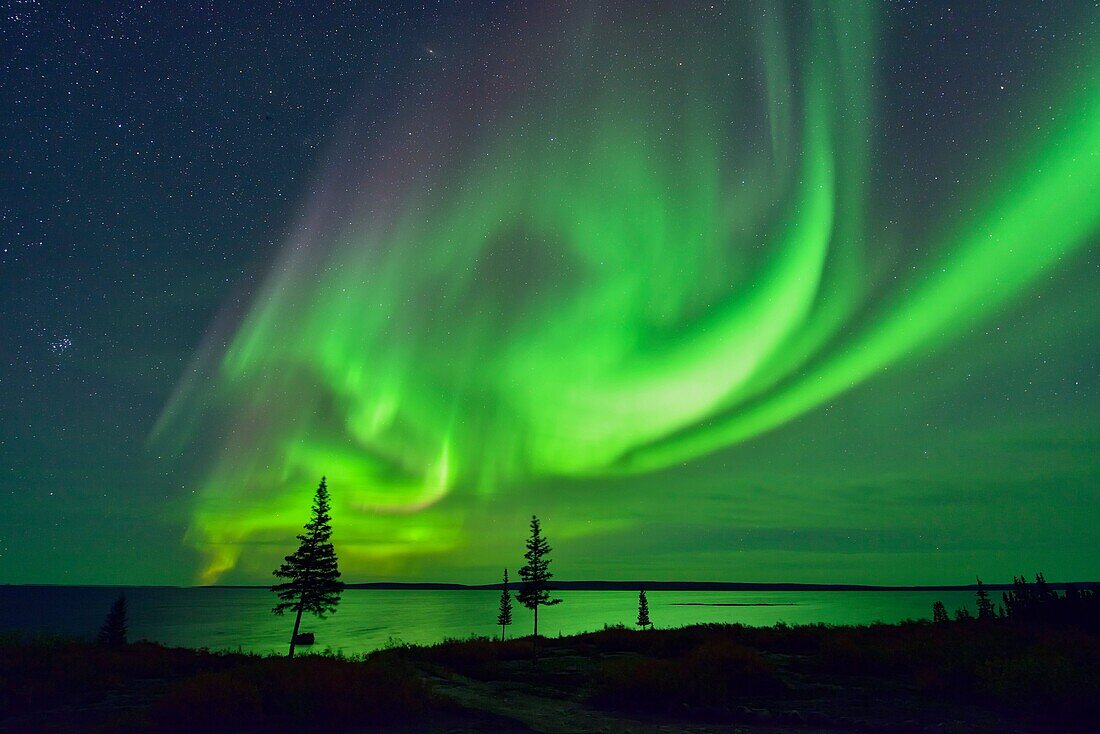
(367, 619)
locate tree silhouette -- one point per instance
(1020, 601)
(962, 614)
(313, 580)
(985, 606)
(113, 631)
(1038, 603)
(643, 611)
(504, 616)
(1043, 593)
(533, 593)
(939, 613)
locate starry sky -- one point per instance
(757, 291)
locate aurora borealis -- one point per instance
(738, 291)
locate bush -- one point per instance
(476, 657)
(614, 638)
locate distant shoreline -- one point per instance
(734, 604)
(600, 586)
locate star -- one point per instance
(60, 345)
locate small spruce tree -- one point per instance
(535, 574)
(939, 613)
(504, 615)
(985, 606)
(1043, 593)
(643, 611)
(113, 631)
(313, 580)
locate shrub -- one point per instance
(476, 657)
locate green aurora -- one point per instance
(658, 293)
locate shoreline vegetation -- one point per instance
(917, 676)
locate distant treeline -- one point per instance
(1031, 603)
(708, 586)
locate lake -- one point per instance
(227, 618)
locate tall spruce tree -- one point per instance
(313, 580)
(504, 615)
(535, 574)
(113, 631)
(643, 611)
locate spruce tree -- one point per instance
(113, 631)
(504, 616)
(1043, 593)
(535, 574)
(643, 611)
(939, 613)
(313, 580)
(985, 606)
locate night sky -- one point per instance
(721, 291)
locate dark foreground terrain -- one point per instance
(914, 677)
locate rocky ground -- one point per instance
(554, 696)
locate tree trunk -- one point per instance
(294, 636)
(502, 633)
(535, 638)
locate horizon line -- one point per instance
(598, 585)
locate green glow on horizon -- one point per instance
(643, 267)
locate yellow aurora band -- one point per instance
(630, 245)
